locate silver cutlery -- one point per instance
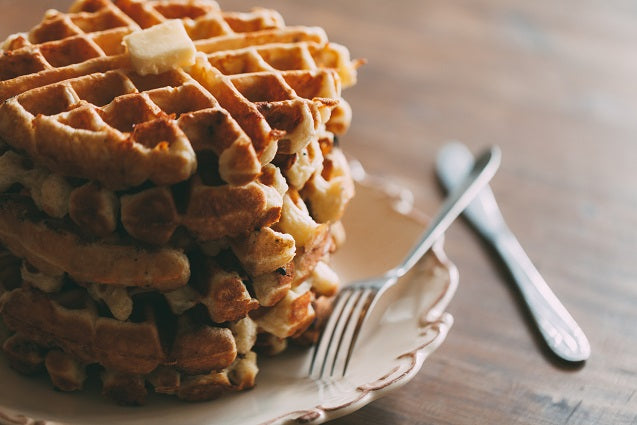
(560, 331)
(353, 304)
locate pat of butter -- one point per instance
(160, 48)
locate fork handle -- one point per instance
(483, 171)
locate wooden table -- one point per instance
(554, 84)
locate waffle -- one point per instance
(194, 353)
(113, 115)
(163, 220)
(55, 250)
(70, 334)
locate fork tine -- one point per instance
(337, 338)
(334, 344)
(362, 310)
(334, 347)
(348, 338)
(327, 335)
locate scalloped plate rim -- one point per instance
(321, 414)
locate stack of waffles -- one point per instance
(160, 229)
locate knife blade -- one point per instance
(560, 331)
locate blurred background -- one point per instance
(552, 83)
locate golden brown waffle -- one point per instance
(70, 320)
(150, 125)
(65, 46)
(211, 212)
(173, 357)
(183, 354)
(113, 328)
(51, 248)
(158, 225)
(57, 248)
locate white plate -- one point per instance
(406, 327)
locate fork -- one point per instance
(352, 306)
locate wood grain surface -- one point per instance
(555, 85)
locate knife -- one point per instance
(560, 331)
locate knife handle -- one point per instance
(559, 329)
